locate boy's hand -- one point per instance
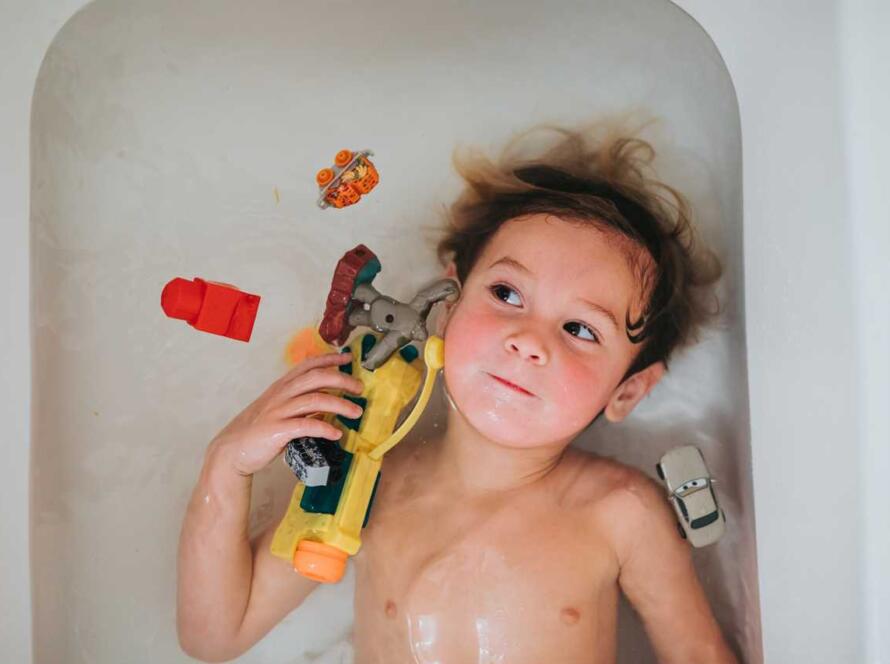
(288, 409)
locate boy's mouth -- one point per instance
(506, 382)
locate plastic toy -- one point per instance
(211, 306)
(690, 490)
(332, 502)
(352, 176)
(305, 344)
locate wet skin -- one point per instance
(511, 577)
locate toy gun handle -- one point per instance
(434, 356)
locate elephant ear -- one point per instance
(358, 266)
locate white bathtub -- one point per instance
(144, 144)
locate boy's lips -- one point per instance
(516, 387)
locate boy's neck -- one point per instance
(477, 465)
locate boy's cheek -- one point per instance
(471, 338)
(584, 389)
(471, 349)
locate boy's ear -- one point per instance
(627, 395)
(447, 305)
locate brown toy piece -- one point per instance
(335, 327)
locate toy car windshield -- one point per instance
(691, 487)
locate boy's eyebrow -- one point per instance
(512, 262)
(597, 307)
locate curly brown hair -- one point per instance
(596, 176)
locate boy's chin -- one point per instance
(512, 421)
(518, 433)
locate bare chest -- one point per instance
(516, 581)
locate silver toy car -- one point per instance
(690, 489)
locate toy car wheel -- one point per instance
(343, 157)
(324, 176)
(659, 471)
(682, 532)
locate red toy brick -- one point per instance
(211, 306)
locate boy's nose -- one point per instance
(528, 347)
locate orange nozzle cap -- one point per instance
(320, 562)
(324, 176)
(342, 158)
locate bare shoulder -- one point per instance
(621, 501)
(607, 483)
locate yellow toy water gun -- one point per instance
(332, 501)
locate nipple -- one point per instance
(570, 616)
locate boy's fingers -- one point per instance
(303, 426)
(305, 405)
(321, 378)
(327, 359)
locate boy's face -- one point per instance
(532, 328)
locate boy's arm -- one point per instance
(230, 592)
(658, 577)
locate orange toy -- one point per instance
(305, 344)
(352, 175)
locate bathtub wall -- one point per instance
(26, 31)
(814, 98)
(866, 89)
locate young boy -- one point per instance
(497, 542)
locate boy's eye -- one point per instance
(580, 330)
(511, 297)
(499, 289)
